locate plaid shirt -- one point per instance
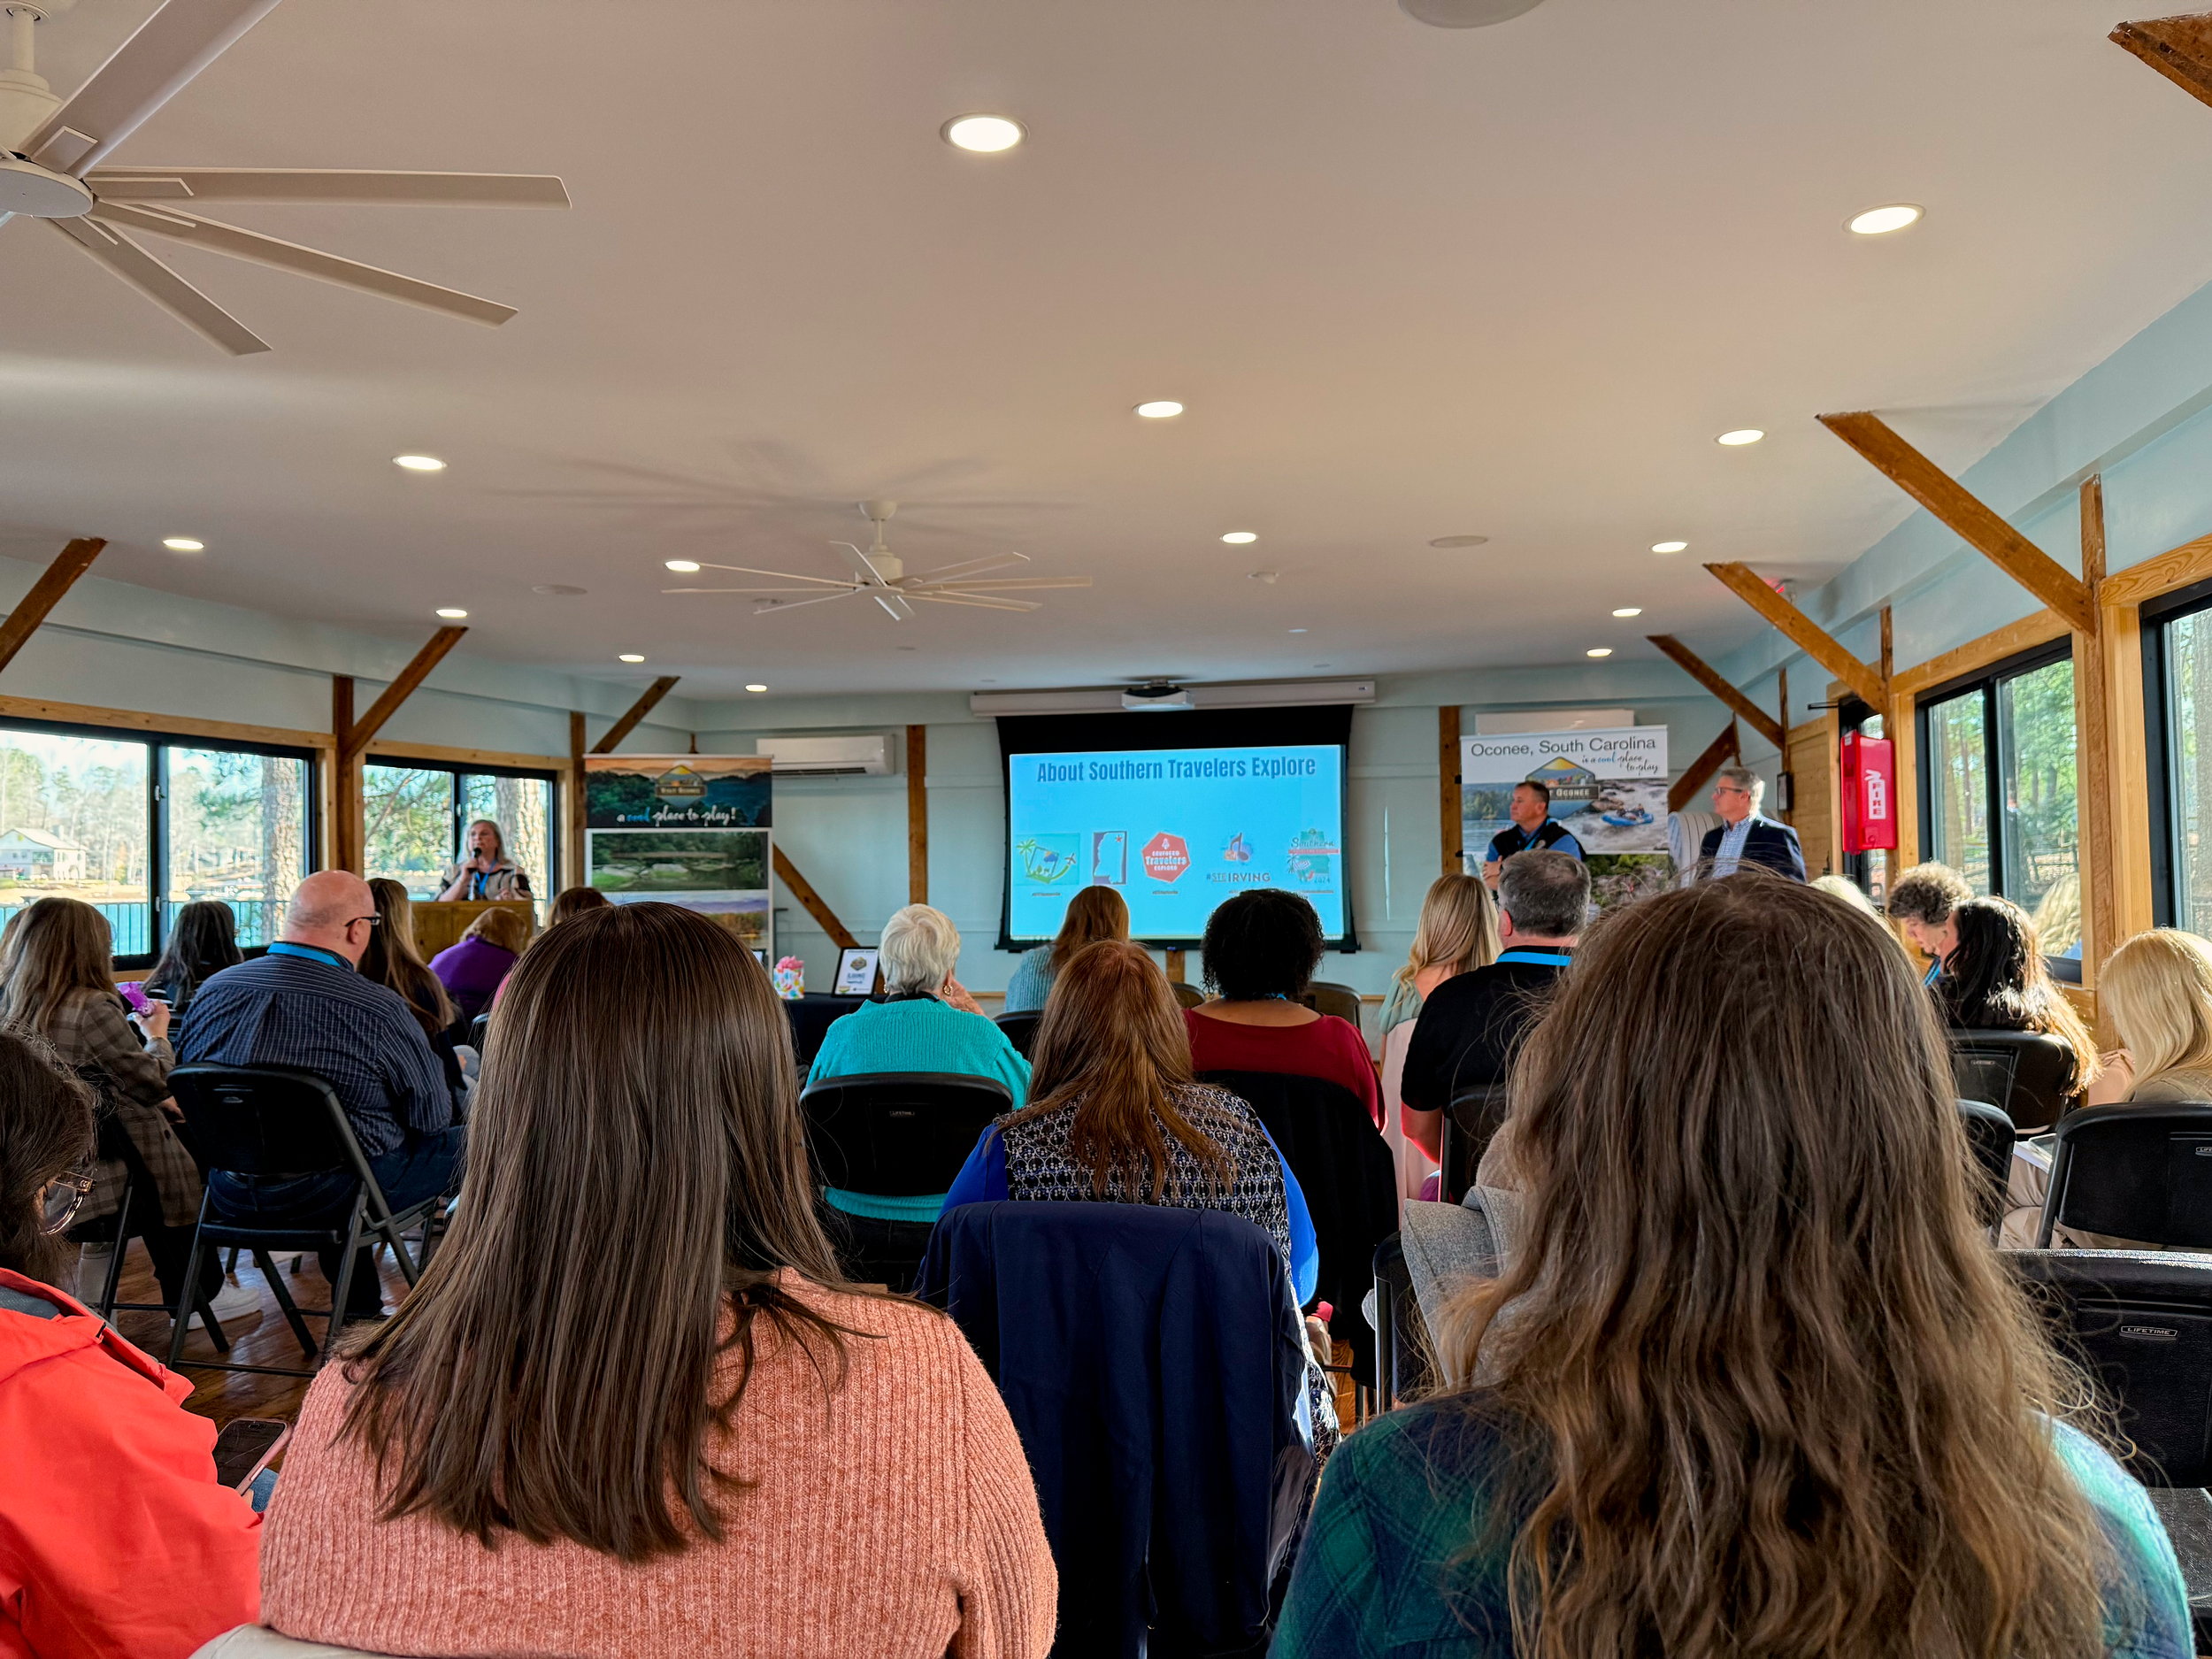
(316, 1013)
(91, 1031)
(1409, 1492)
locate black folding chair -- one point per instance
(141, 1207)
(1989, 1135)
(2141, 1172)
(1327, 996)
(1021, 1028)
(2028, 1074)
(479, 1028)
(1473, 1119)
(272, 1122)
(895, 1134)
(1401, 1362)
(2140, 1322)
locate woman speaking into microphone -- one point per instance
(487, 872)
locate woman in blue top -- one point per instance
(1755, 1385)
(1095, 913)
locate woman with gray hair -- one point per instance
(924, 1022)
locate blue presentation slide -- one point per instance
(1177, 830)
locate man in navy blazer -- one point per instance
(1745, 837)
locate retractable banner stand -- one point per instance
(1609, 790)
(683, 829)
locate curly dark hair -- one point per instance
(1263, 943)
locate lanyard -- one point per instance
(1538, 958)
(313, 953)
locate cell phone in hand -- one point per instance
(134, 994)
(244, 1449)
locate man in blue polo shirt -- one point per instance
(1531, 831)
(304, 1005)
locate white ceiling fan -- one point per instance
(887, 582)
(50, 151)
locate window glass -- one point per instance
(410, 821)
(523, 808)
(2035, 734)
(2189, 767)
(1958, 786)
(76, 820)
(238, 833)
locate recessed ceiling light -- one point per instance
(183, 544)
(1160, 409)
(755, 688)
(1630, 610)
(1880, 221)
(1239, 537)
(562, 590)
(1742, 435)
(1670, 547)
(1262, 576)
(1598, 650)
(986, 134)
(629, 656)
(453, 613)
(1459, 541)
(909, 648)
(419, 463)
(1298, 630)
(684, 565)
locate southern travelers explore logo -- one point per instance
(1165, 856)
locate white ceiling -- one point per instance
(1412, 282)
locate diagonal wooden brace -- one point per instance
(1804, 633)
(33, 608)
(1706, 675)
(639, 709)
(2180, 49)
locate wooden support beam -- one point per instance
(1719, 753)
(1177, 967)
(1706, 675)
(349, 830)
(1783, 767)
(2092, 736)
(2180, 49)
(1449, 807)
(71, 563)
(579, 871)
(918, 814)
(1802, 632)
(816, 905)
(639, 709)
(354, 740)
(1980, 527)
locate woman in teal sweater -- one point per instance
(925, 1022)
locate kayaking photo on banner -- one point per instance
(1609, 790)
(684, 829)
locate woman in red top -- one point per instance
(116, 1542)
(1260, 952)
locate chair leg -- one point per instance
(343, 1288)
(108, 1292)
(183, 1321)
(289, 1307)
(230, 1262)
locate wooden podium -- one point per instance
(440, 923)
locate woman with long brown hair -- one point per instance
(1995, 979)
(1096, 913)
(393, 959)
(631, 1394)
(1755, 1385)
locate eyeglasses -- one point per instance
(373, 921)
(65, 1196)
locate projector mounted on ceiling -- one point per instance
(1158, 695)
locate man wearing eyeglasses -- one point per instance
(303, 1005)
(1744, 835)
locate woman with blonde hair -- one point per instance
(1754, 1384)
(1096, 913)
(1458, 933)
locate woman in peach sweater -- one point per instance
(632, 1409)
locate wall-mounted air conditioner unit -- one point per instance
(828, 757)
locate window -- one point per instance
(1997, 788)
(2177, 696)
(135, 826)
(417, 812)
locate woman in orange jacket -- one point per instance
(115, 1541)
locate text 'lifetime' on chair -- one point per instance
(2141, 1172)
(2025, 1073)
(273, 1122)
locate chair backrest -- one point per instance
(1990, 1134)
(1021, 1028)
(898, 1134)
(1189, 995)
(2141, 1172)
(1402, 1366)
(478, 1028)
(1327, 996)
(2142, 1323)
(2027, 1074)
(1474, 1118)
(266, 1120)
(1344, 1167)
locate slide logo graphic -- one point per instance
(1165, 856)
(1045, 858)
(1239, 851)
(1110, 858)
(1312, 857)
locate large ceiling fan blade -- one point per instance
(996, 562)
(894, 607)
(158, 283)
(1007, 584)
(146, 71)
(767, 605)
(978, 600)
(256, 249)
(867, 563)
(842, 589)
(783, 576)
(327, 186)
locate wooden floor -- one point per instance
(264, 1341)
